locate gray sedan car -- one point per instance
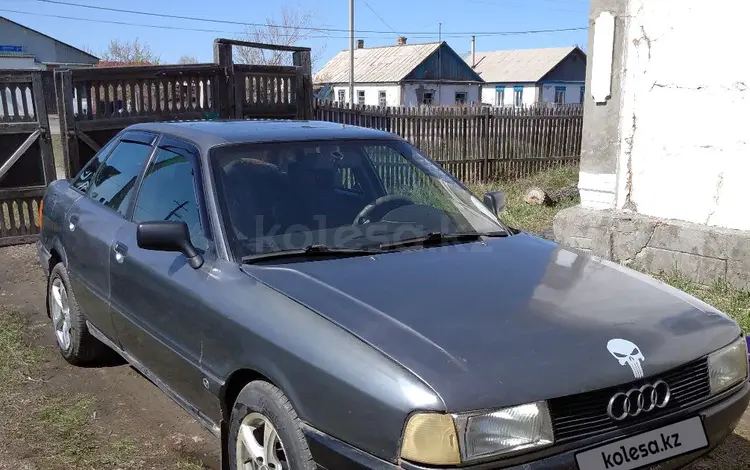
(326, 296)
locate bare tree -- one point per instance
(130, 52)
(292, 28)
(187, 59)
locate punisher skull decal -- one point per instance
(627, 353)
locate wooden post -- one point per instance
(40, 112)
(64, 79)
(303, 59)
(486, 145)
(225, 90)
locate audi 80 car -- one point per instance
(326, 296)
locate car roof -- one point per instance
(207, 134)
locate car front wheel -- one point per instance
(75, 342)
(264, 432)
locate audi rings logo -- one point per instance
(638, 400)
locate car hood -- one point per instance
(508, 321)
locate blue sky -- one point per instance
(418, 20)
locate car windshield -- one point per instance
(343, 194)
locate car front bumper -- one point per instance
(719, 420)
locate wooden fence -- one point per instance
(26, 163)
(476, 144)
(96, 103)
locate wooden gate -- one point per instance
(97, 103)
(26, 161)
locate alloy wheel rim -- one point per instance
(60, 309)
(259, 446)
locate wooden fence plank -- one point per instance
(474, 144)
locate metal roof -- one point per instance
(520, 65)
(4, 18)
(385, 64)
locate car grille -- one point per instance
(579, 416)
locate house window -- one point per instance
(583, 93)
(559, 95)
(427, 98)
(499, 95)
(361, 97)
(460, 97)
(381, 99)
(518, 96)
(342, 96)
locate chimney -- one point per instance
(360, 43)
(401, 40)
(473, 52)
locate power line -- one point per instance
(126, 23)
(379, 17)
(309, 28)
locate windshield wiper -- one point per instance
(310, 251)
(439, 238)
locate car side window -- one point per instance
(169, 192)
(114, 182)
(84, 179)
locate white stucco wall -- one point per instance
(684, 147)
(392, 93)
(572, 92)
(443, 94)
(489, 97)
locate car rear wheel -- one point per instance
(264, 432)
(75, 342)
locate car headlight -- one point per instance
(438, 439)
(728, 366)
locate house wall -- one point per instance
(18, 63)
(392, 93)
(489, 93)
(670, 141)
(570, 69)
(44, 48)
(572, 92)
(443, 64)
(443, 94)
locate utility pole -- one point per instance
(440, 64)
(351, 53)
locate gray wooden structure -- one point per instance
(26, 163)
(97, 103)
(476, 143)
(94, 104)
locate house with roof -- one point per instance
(23, 48)
(400, 75)
(529, 77)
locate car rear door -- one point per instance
(93, 220)
(159, 312)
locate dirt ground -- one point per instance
(56, 416)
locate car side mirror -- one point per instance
(495, 201)
(167, 235)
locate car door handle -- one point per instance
(72, 221)
(121, 251)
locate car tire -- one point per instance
(74, 341)
(258, 405)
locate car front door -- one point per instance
(92, 221)
(158, 310)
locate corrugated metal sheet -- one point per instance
(376, 64)
(521, 65)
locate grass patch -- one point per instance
(18, 359)
(518, 214)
